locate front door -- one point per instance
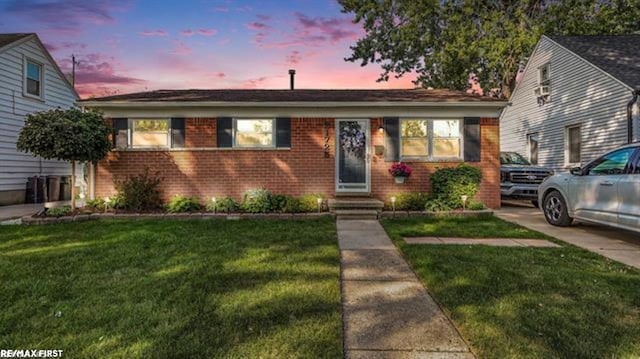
(352, 156)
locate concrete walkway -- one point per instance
(19, 210)
(493, 242)
(387, 311)
(619, 245)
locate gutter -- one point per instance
(634, 100)
(298, 104)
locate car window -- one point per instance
(512, 158)
(614, 163)
(634, 167)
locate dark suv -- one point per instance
(519, 179)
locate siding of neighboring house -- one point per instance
(203, 170)
(581, 94)
(16, 167)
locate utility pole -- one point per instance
(73, 71)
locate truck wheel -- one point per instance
(535, 203)
(555, 210)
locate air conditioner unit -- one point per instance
(542, 91)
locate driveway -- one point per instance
(619, 245)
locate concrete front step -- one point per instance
(356, 214)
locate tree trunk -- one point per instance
(73, 185)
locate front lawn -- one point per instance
(525, 302)
(207, 288)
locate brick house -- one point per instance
(335, 142)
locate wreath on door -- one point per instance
(352, 138)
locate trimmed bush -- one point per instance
(139, 193)
(292, 205)
(257, 200)
(59, 211)
(475, 206)
(97, 204)
(309, 202)
(436, 205)
(223, 205)
(408, 201)
(448, 184)
(182, 204)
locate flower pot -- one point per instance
(399, 179)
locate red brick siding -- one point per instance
(200, 132)
(299, 170)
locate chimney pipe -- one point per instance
(292, 75)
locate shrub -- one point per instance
(292, 205)
(409, 201)
(59, 211)
(448, 184)
(476, 206)
(257, 201)
(97, 204)
(182, 204)
(278, 202)
(309, 202)
(436, 205)
(140, 192)
(223, 205)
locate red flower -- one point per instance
(400, 170)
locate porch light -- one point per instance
(381, 129)
(464, 202)
(319, 204)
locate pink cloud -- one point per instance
(153, 33)
(221, 9)
(181, 48)
(294, 57)
(202, 32)
(253, 83)
(257, 26)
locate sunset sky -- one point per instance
(136, 45)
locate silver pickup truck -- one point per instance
(519, 179)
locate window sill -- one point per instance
(431, 160)
(188, 149)
(33, 97)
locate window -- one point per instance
(150, 133)
(532, 141)
(254, 133)
(544, 74)
(414, 138)
(33, 73)
(430, 139)
(573, 142)
(614, 163)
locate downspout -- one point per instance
(634, 100)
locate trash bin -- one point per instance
(36, 188)
(53, 188)
(65, 188)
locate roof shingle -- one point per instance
(618, 55)
(6, 39)
(301, 95)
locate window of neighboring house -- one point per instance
(150, 133)
(544, 74)
(33, 76)
(254, 133)
(430, 139)
(532, 141)
(573, 143)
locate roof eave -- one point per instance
(298, 104)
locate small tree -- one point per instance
(66, 135)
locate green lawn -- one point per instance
(526, 302)
(185, 289)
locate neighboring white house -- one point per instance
(570, 106)
(30, 81)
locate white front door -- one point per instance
(352, 156)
